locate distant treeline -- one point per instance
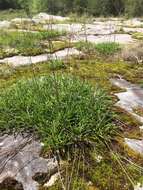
(91, 7)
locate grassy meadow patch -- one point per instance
(28, 43)
(103, 49)
(61, 109)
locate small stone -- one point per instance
(141, 128)
(138, 187)
(52, 180)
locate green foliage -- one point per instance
(56, 65)
(61, 109)
(25, 43)
(108, 174)
(91, 7)
(106, 48)
(134, 8)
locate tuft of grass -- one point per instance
(106, 48)
(56, 65)
(61, 109)
(109, 48)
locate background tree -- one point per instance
(92, 7)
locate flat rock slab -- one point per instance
(131, 99)
(135, 22)
(16, 61)
(46, 17)
(5, 24)
(138, 187)
(118, 38)
(20, 160)
(41, 18)
(90, 29)
(126, 29)
(135, 145)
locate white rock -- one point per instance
(5, 24)
(52, 180)
(138, 187)
(47, 17)
(28, 60)
(118, 38)
(21, 20)
(141, 128)
(135, 145)
(131, 98)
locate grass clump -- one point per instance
(56, 65)
(61, 109)
(106, 48)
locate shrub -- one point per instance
(61, 109)
(106, 48)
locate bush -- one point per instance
(106, 48)
(61, 109)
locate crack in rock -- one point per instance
(20, 160)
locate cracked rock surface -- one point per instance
(20, 160)
(131, 98)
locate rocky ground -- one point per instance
(121, 75)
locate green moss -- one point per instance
(138, 36)
(7, 52)
(109, 175)
(96, 72)
(26, 43)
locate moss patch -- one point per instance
(27, 43)
(138, 36)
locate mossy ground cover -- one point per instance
(97, 73)
(82, 171)
(86, 171)
(138, 36)
(28, 43)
